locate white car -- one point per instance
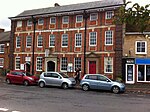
(56, 79)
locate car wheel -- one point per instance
(41, 84)
(64, 85)
(8, 81)
(115, 89)
(85, 87)
(26, 83)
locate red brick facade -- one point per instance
(94, 53)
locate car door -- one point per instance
(48, 78)
(57, 79)
(93, 82)
(104, 83)
(19, 77)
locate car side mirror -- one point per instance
(108, 80)
(59, 77)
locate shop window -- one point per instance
(141, 72)
(147, 72)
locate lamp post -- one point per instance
(85, 16)
(33, 43)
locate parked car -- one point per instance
(21, 77)
(56, 79)
(99, 81)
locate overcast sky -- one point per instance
(11, 8)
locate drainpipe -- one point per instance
(85, 16)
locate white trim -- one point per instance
(90, 39)
(133, 81)
(93, 19)
(106, 15)
(51, 20)
(36, 63)
(136, 47)
(79, 21)
(50, 41)
(26, 41)
(75, 39)
(17, 41)
(41, 23)
(112, 65)
(38, 41)
(3, 62)
(63, 20)
(112, 37)
(15, 62)
(62, 40)
(1, 48)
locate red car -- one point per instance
(21, 77)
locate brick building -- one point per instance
(65, 37)
(4, 49)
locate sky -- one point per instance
(11, 8)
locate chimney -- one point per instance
(56, 5)
(1, 30)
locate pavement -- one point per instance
(140, 88)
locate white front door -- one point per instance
(130, 73)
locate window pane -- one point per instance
(93, 17)
(78, 39)
(109, 14)
(18, 41)
(29, 23)
(108, 37)
(2, 48)
(108, 64)
(40, 41)
(93, 38)
(141, 47)
(147, 72)
(79, 18)
(41, 21)
(64, 63)
(77, 63)
(141, 72)
(65, 19)
(39, 64)
(29, 41)
(64, 40)
(17, 63)
(1, 62)
(52, 20)
(52, 40)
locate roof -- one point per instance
(4, 36)
(71, 8)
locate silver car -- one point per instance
(98, 81)
(56, 79)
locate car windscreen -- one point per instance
(64, 75)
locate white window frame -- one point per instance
(40, 42)
(77, 62)
(109, 14)
(145, 47)
(17, 65)
(2, 48)
(64, 63)
(77, 17)
(90, 38)
(109, 35)
(29, 22)
(93, 17)
(2, 62)
(51, 40)
(19, 23)
(28, 43)
(63, 40)
(78, 39)
(64, 18)
(40, 21)
(106, 64)
(18, 42)
(51, 22)
(39, 63)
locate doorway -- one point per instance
(92, 67)
(50, 66)
(130, 73)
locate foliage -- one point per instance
(3, 72)
(136, 15)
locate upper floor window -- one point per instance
(2, 48)
(28, 41)
(109, 37)
(93, 16)
(52, 40)
(1, 62)
(79, 18)
(64, 40)
(40, 21)
(93, 38)
(40, 41)
(29, 22)
(65, 19)
(78, 39)
(18, 42)
(141, 47)
(77, 62)
(108, 65)
(109, 14)
(39, 64)
(64, 63)
(53, 20)
(19, 23)
(17, 63)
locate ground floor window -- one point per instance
(108, 65)
(143, 72)
(77, 63)
(1, 62)
(39, 63)
(17, 63)
(64, 63)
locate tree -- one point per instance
(136, 16)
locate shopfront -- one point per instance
(143, 69)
